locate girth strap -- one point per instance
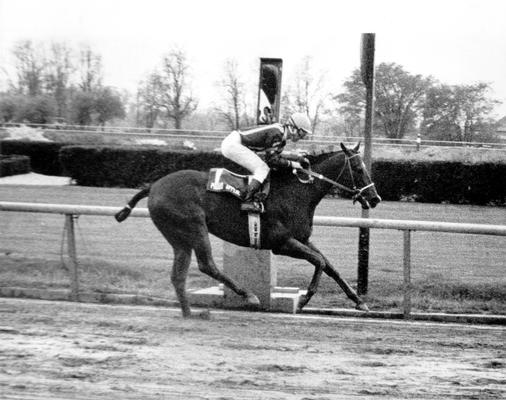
(254, 228)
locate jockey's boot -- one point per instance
(250, 204)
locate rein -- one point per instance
(355, 192)
(324, 178)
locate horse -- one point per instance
(185, 213)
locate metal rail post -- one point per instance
(71, 249)
(407, 274)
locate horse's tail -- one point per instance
(125, 212)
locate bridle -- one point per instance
(354, 191)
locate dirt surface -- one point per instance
(56, 350)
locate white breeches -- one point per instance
(232, 148)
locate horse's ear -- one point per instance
(345, 149)
(357, 147)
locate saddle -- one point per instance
(223, 180)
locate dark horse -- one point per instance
(185, 213)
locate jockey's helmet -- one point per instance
(301, 122)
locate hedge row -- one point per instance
(14, 165)
(441, 182)
(107, 166)
(44, 156)
(133, 166)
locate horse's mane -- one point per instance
(318, 156)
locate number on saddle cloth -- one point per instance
(223, 180)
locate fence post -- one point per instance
(407, 274)
(71, 249)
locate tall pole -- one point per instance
(367, 72)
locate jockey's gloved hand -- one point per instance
(295, 165)
(304, 162)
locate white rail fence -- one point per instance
(215, 136)
(407, 226)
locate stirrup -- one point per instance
(259, 197)
(253, 207)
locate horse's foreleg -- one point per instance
(294, 248)
(207, 265)
(331, 271)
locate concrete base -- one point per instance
(282, 299)
(251, 269)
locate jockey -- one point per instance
(242, 146)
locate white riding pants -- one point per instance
(232, 148)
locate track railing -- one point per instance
(406, 226)
(218, 135)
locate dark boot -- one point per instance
(252, 188)
(249, 203)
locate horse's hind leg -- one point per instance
(182, 259)
(203, 251)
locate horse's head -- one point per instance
(359, 179)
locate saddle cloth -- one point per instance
(223, 180)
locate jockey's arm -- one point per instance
(284, 159)
(292, 155)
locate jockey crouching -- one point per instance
(242, 148)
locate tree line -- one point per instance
(413, 103)
(56, 83)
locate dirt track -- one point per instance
(54, 350)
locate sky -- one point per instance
(456, 42)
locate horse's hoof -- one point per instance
(253, 300)
(205, 315)
(362, 307)
(302, 303)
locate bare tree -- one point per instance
(176, 97)
(307, 94)
(234, 104)
(60, 68)
(90, 69)
(148, 98)
(30, 64)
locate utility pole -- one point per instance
(367, 72)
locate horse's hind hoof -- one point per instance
(204, 315)
(362, 307)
